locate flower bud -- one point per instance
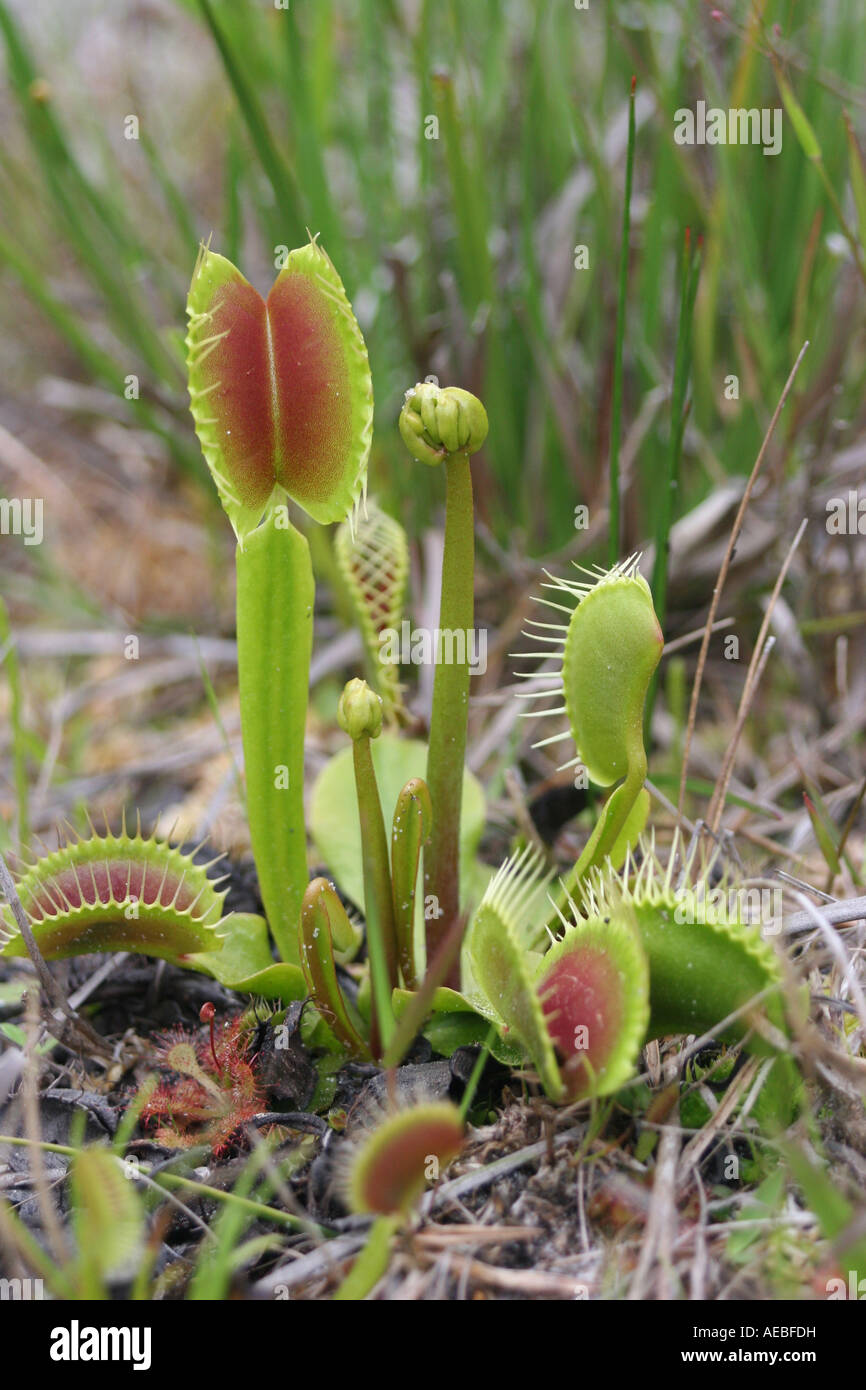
(436, 422)
(359, 713)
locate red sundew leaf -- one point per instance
(231, 1053)
(184, 1102)
(594, 991)
(207, 1103)
(280, 390)
(169, 1138)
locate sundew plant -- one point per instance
(494, 821)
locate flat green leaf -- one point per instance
(333, 816)
(245, 962)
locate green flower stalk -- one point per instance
(448, 425)
(282, 400)
(359, 714)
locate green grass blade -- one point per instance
(613, 549)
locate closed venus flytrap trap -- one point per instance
(372, 556)
(609, 649)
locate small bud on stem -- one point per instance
(436, 422)
(359, 713)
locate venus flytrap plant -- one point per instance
(282, 400)
(580, 1010)
(634, 962)
(384, 1171)
(281, 397)
(610, 648)
(447, 426)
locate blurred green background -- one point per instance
(451, 154)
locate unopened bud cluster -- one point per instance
(437, 421)
(359, 713)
